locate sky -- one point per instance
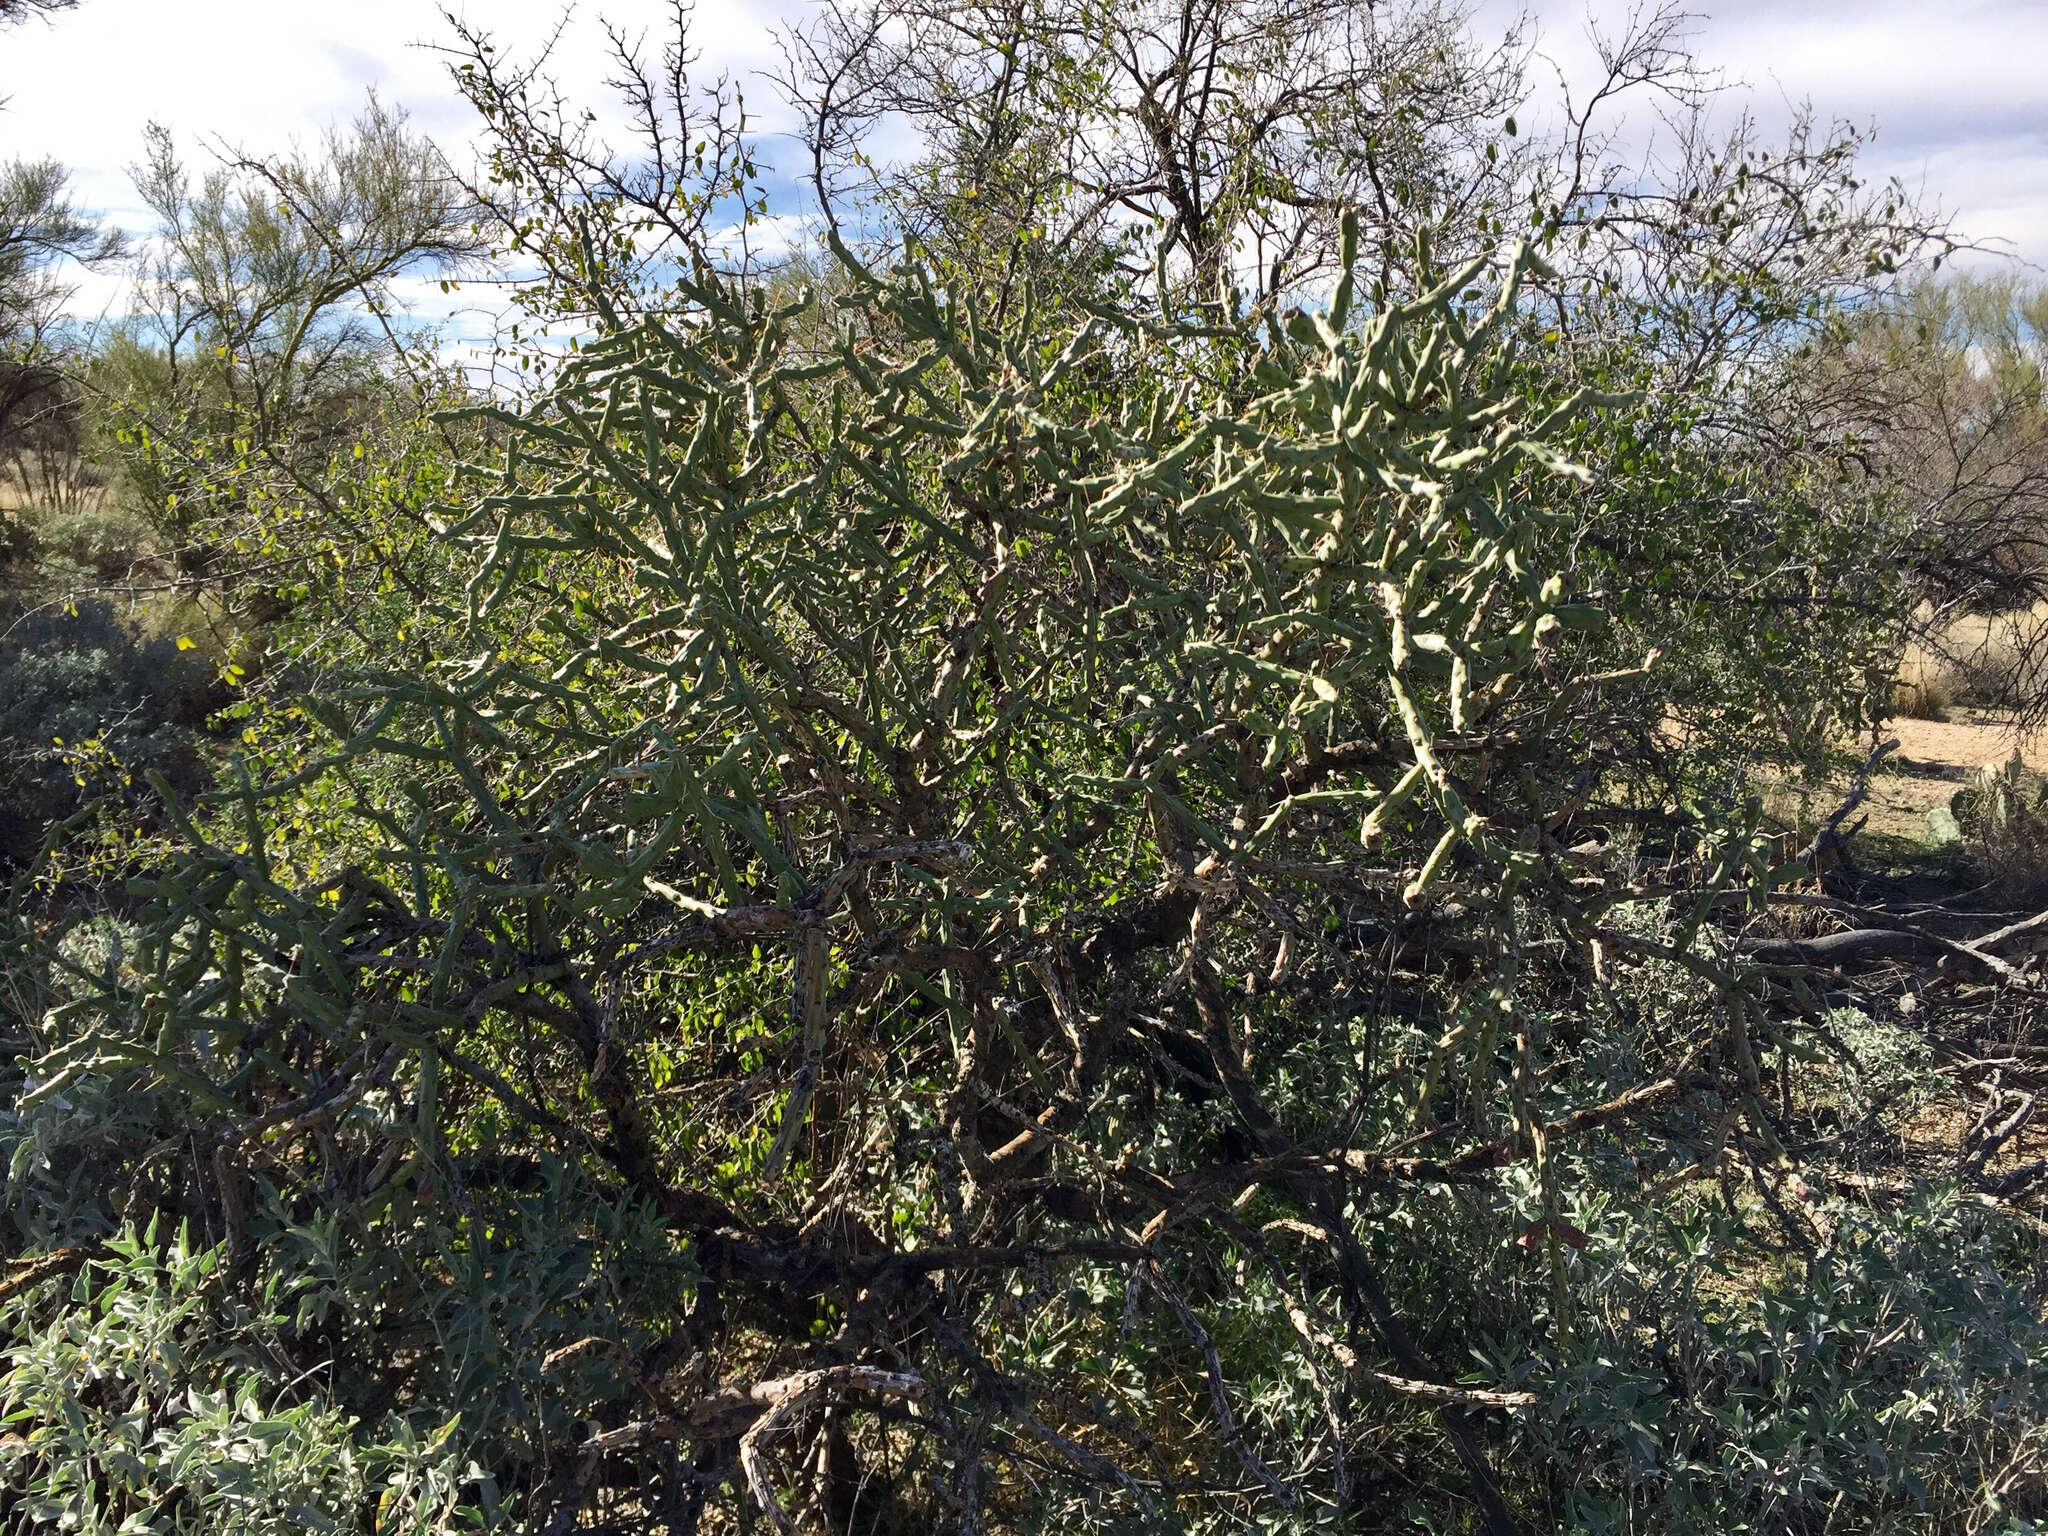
(1957, 90)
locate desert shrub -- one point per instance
(77, 546)
(879, 918)
(1889, 1380)
(86, 705)
(134, 1402)
(1983, 660)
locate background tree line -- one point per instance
(1086, 854)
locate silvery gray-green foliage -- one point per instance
(150, 1403)
(1893, 1378)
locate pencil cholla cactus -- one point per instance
(847, 783)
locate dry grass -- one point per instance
(1926, 689)
(18, 499)
(1981, 659)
